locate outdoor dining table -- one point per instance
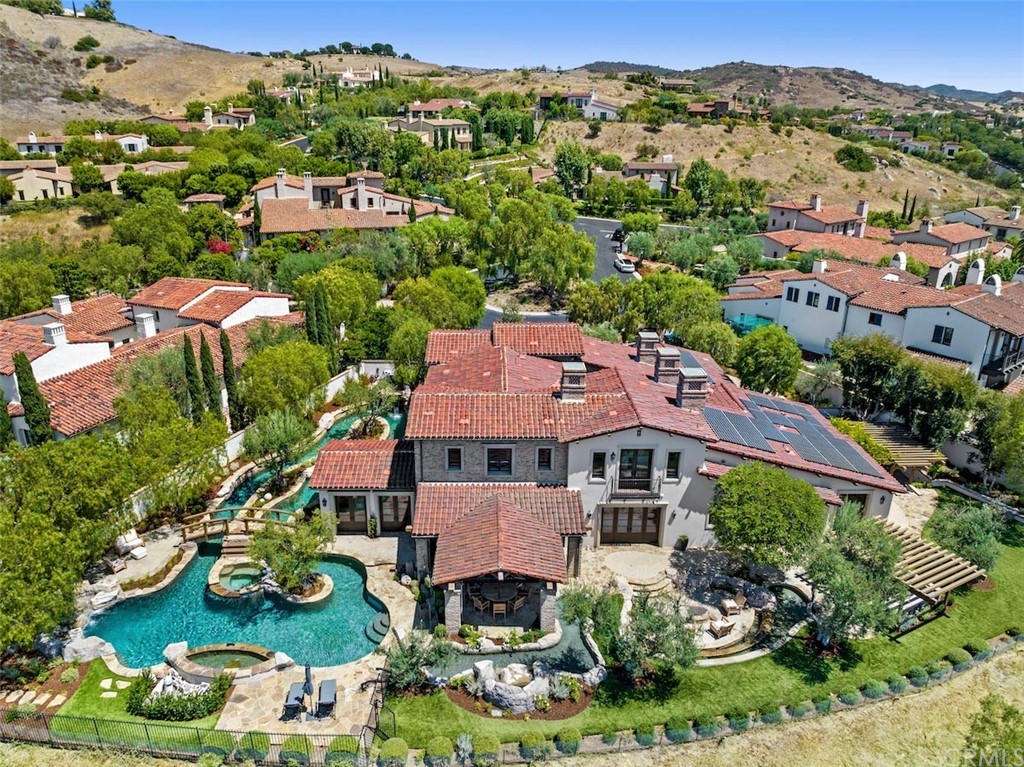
(498, 592)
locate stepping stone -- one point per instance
(106, 684)
(122, 685)
(27, 698)
(13, 696)
(41, 700)
(58, 700)
(110, 694)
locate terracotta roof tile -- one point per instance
(959, 232)
(369, 464)
(293, 215)
(440, 504)
(865, 251)
(896, 298)
(1005, 311)
(542, 339)
(176, 292)
(197, 198)
(443, 345)
(218, 305)
(95, 316)
(27, 338)
(499, 537)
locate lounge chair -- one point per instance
(740, 599)
(294, 704)
(131, 544)
(114, 564)
(519, 604)
(327, 697)
(720, 629)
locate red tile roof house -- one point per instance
(597, 443)
(434, 107)
(959, 239)
(132, 143)
(813, 217)
(175, 301)
(295, 205)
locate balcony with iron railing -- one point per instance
(639, 488)
(1004, 364)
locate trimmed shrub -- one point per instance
(678, 730)
(823, 704)
(739, 720)
(175, 708)
(980, 650)
(254, 746)
(344, 749)
(897, 683)
(486, 750)
(439, 752)
(568, 740)
(533, 747)
(217, 743)
(297, 749)
(645, 735)
(609, 737)
(799, 710)
(1014, 631)
(849, 695)
(706, 725)
(918, 676)
(938, 669)
(961, 659)
(394, 753)
(69, 675)
(772, 716)
(874, 689)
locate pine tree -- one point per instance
(6, 427)
(906, 201)
(193, 383)
(210, 383)
(37, 412)
(312, 321)
(228, 371)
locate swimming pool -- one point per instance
(327, 633)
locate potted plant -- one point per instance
(682, 542)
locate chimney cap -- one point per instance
(694, 372)
(574, 367)
(668, 351)
(647, 335)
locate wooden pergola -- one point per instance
(929, 571)
(910, 453)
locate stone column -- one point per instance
(453, 608)
(422, 556)
(548, 606)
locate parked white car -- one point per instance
(624, 265)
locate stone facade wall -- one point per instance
(453, 609)
(432, 461)
(548, 608)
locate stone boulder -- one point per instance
(484, 670)
(594, 676)
(487, 644)
(50, 647)
(538, 687)
(283, 660)
(86, 649)
(515, 674)
(174, 649)
(508, 698)
(541, 670)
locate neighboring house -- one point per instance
(976, 216)
(436, 129)
(204, 199)
(430, 109)
(178, 301)
(290, 204)
(914, 147)
(148, 168)
(722, 108)
(994, 220)
(958, 239)
(660, 176)
(677, 84)
(286, 95)
(358, 78)
(883, 133)
(950, 149)
(131, 143)
(10, 168)
(108, 316)
(32, 184)
(814, 217)
(234, 117)
(587, 104)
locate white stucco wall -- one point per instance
(262, 306)
(857, 323)
(813, 327)
(970, 337)
(67, 357)
(761, 307)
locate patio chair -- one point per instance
(720, 629)
(499, 608)
(294, 703)
(478, 603)
(131, 544)
(327, 697)
(519, 604)
(740, 599)
(114, 564)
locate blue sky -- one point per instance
(916, 43)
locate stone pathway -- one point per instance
(912, 509)
(36, 700)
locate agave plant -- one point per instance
(464, 747)
(475, 687)
(560, 689)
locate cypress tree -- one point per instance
(906, 201)
(437, 141)
(257, 219)
(478, 136)
(228, 370)
(210, 383)
(6, 427)
(37, 412)
(412, 213)
(312, 320)
(193, 382)
(326, 330)
(913, 205)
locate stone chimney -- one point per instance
(646, 344)
(926, 226)
(1015, 213)
(692, 388)
(62, 304)
(307, 186)
(819, 267)
(574, 381)
(993, 285)
(208, 115)
(898, 261)
(976, 274)
(666, 365)
(145, 325)
(279, 184)
(361, 197)
(816, 202)
(54, 334)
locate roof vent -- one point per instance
(993, 285)
(62, 304)
(891, 278)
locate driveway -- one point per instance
(600, 231)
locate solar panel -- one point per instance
(806, 450)
(777, 418)
(822, 442)
(858, 461)
(762, 400)
(763, 424)
(748, 432)
(722, 427)
(787, 407)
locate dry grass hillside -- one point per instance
(514, 80)
(163, 74)
(398, 67)
(792, 166)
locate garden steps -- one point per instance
(235, 546)
(651, 586)
(377, 629)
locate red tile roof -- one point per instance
(218, 305)
(26, 338)
(84, 399)
(865, 251)
(293, 215)
(95, 316)
(443, 345)
(176, 292)
(267, 183)
(542, 339)
(15, 409)
(495, 369)
(832, 214)
(197, 198)
(854, 279)
(959, 232)
(440, 504)
(499, 537)
(896, 298)
(370, 464)
(1005, 311)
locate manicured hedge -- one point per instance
(645, 735)
(706, 725)
(849, 695)
(175, 708)
(897, 683)
(918, 676)
(533, 746)
(960, 659)
(771, 716)
(568, 740)
(874, 689)
(296, 748)
(344, 749)
(678, 730)
(394, 753)
(254, 746)
(799, 710)
(486, 749)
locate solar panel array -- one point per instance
(809, 438)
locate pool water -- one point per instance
(239, 578)
(326, 633)
(221, 659)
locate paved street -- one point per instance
(599, 230)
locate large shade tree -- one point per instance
(768, 360)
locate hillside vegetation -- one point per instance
(793, 166)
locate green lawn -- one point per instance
(87, 712)
(787, 675)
